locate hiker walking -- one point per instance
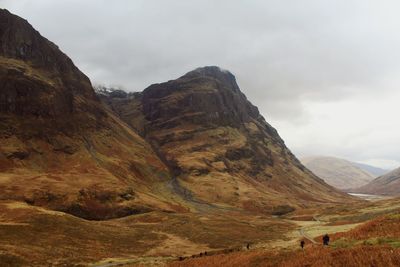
(302, 243)
(248, 246)
(325, 240)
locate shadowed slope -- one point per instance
(59, 146)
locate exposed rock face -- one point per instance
(388, 184)
(59, 146)
(217, 143)
(19, 42)
(206, 99)
(209, 103)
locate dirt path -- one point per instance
(312, 230)
(142, 261)
(303, 233)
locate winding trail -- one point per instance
(147, 261)
(305, 235)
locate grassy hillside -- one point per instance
(388, 184)
(337, 172)
(374, 242)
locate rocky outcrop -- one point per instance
(59, 146)
(213, 99)
(39, 82)
(218, 144)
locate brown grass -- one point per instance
(312, 256)
(46, 238)
(356, 256)
(384, 226)
(374, 243)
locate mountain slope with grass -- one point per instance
(60, 147)
(340, 173)
(388, 184)
(217, 144)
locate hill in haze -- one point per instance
(340, 173)
(388, 184)
(375, 171)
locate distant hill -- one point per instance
(388, 184)
(375, 171)
(340, 173)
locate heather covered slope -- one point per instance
(367, 234)
(340, 173)
(388, 184)
(59, 146)
(218, 145)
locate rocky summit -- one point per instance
(59, 146)
(218, 146)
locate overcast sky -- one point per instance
(324, 73)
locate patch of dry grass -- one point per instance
(45, 238)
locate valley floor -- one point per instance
(33, 236)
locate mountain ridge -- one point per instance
(176, 116)
(387, 184)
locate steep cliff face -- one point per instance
(218, 145)
(40, 81)
(59, 146)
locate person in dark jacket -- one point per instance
(302, 243)
(325, 240)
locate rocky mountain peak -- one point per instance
(37, 79)
(215, 72)
(213, 139)
(206, 97)
(19, 40)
